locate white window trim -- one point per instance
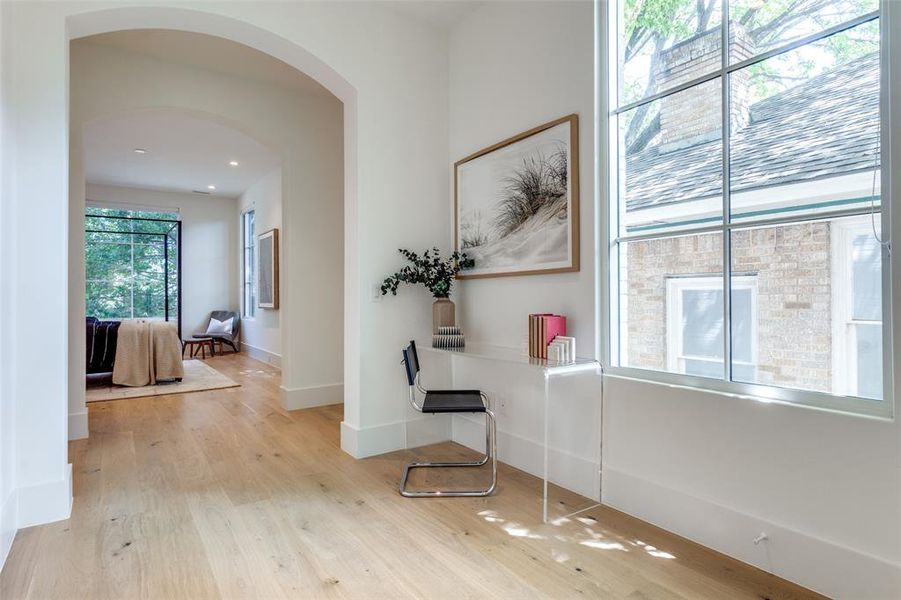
(844, 363)
(610, 343)
(675, 286)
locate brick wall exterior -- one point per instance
(792, 265)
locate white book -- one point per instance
(570, 346)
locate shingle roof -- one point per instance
(827, 126)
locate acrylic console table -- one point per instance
(550, 371)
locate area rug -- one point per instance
(199, 377)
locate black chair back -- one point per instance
(411, 363)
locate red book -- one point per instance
(554, 325)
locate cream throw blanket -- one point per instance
(147, 351)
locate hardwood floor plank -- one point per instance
(224, 494)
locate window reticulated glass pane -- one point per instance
(757, 26)
(670, 159)
(650, 314)
(704, 368)
(868, 346)
(653, 56)
(743, 325)
(866, 274)
(806, 296)
(702, 323)
(805, 129)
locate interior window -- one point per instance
(249, 265)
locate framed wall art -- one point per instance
(267, 269)
(516, 203)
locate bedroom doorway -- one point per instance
(132, 264)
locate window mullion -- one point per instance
(726, 235)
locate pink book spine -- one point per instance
(556, 325)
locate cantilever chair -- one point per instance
(444, 402)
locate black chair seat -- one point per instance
(453, 401)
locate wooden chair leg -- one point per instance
(203, 351)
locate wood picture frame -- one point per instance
(487, 193)
(267, 269)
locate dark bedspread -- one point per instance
(100, 346)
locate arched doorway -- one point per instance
(123, 19)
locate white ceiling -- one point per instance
(210, 53)
(439, 13)
(184, 153)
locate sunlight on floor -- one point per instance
(587, 537)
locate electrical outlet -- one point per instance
(375, 293)
(501, 402)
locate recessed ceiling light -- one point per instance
(140, 151)
(211, 187)
(233, 163)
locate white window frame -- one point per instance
(844, 335)
(248, 312)
(607, 18)
(675, 287)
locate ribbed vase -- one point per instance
(443, 314)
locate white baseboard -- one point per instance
(309, 397)
(8, 524)
(575, 473)
(270, 358)
(820, 565)
(372, 441)
(78, 426)
(45, 502)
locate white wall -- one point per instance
(825, 487)
(261, 335)
(303, 129)
(496, 54)
(8, 516)
(209, 246)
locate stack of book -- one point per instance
(543, 329)
(448, 337)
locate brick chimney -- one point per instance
(693, 116)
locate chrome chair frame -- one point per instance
(490, 451)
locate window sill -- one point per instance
(880, 410)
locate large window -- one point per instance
(131, 264)
(248, 270)
(745, 218)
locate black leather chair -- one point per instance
(444, 402)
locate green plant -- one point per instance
(432, 271)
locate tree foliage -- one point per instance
(650, 27)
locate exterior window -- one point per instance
(745, 206)
(694, 324)
(249, 301)
(132, 263)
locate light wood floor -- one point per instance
(224, 494)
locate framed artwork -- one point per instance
(267, 269)
(516, 203)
